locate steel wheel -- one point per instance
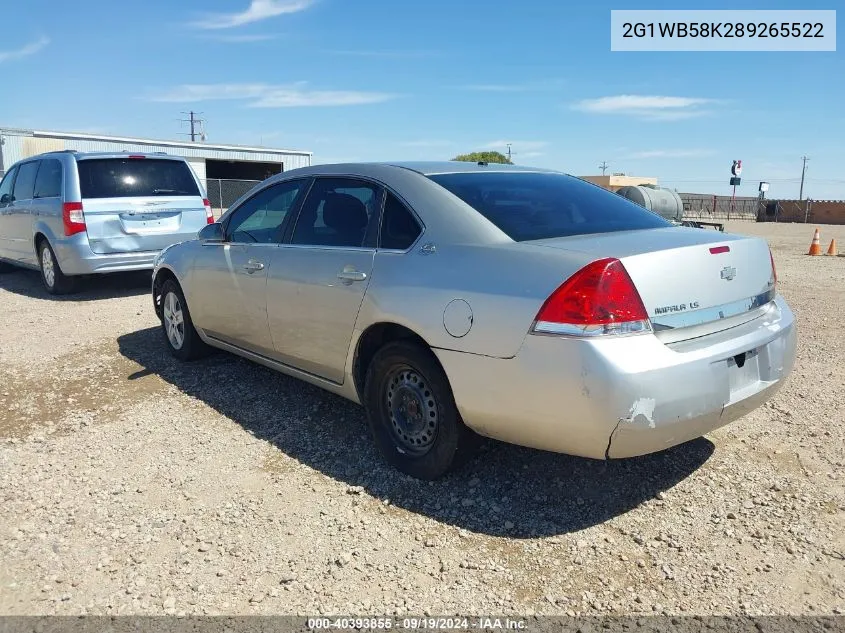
(174, 320)
(47, 267)
(411, 405)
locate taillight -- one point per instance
(598, 299)
(209, 215)
(774, 270)
(73, 218)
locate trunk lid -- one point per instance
(692, 282)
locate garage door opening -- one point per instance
(228, 180)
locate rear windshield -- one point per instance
(130, 177)
(532, 206)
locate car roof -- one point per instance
(428, 168)
(385, 169)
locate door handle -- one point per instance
(352, 275)
(253, 266)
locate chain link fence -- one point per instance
(222, 193)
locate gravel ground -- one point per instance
(130, 484)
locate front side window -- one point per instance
(25, 182)
(259, 220)
(337, 212)
(6, 187)
(48, 182)
(399, 227)
(131, 177)
(535, 206)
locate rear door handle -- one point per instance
(352, 275)
(252, 266)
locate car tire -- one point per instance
(412, 413)
(54, 280)
(176, 324)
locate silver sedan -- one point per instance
(457, 300)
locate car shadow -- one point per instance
(28, 283)
(505, 491)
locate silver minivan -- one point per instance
(69, 213)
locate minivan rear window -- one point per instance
(535, 206)
(131, 177)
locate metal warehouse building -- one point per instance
(228, 171)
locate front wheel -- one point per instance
(178, 328)
(54, 280)
(412, 413)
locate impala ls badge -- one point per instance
(728, 273)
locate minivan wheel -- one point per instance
(54, 280)
(412, 413)
(176, 324)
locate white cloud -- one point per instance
(258, 10)
(653, 107)
(25, 51)
(531, 86)
(671, 153)
(387, 54)
(516, 146)
(242, 39)
(531, 154)
(270, 96)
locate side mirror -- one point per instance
(5, 198)
(212, 233)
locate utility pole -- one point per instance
(603, 167)
(803, 171)
(197, 125)
(510, 154)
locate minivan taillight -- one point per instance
(73, 218)
(209, 215)
(599, 299)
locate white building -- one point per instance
(227, 170)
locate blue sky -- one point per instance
(404, 79)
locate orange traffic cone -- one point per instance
(815, 245)
(831, 250)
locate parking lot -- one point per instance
(130, 483)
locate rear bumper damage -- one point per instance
(622, 397)
(76, 258)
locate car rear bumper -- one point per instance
(625, 396)
(76, 258)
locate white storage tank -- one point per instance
(664, 202)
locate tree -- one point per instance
(484, 157)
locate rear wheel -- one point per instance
(54, 280)
(178, 328)
(412, 413)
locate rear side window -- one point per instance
(399, 228)
(337, 212)
(48, 183)
(129, 177)
(531, 206)
(25, 182)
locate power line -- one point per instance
(197, 126)
(804, 160)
